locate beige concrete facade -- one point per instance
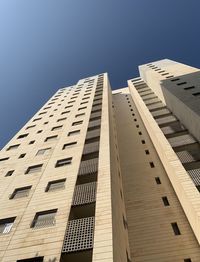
(103, 176)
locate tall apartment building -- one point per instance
(102, 176)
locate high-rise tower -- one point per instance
(101, 176)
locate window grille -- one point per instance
(34, 169)
(195, 175)
(79, 235)
(20, 192)
(63, 162)
(56, 185)
(84, 194)
(6, 225)
(44, 219)
(185, 156)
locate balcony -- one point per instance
(84, 194)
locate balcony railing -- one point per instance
(79, 235)
(84, 194)
(88, 167)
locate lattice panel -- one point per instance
(181, 140)
(85, 193)
(165, 120)
(195, 175)
(79, 235)
(90, 148)
(88, 167)
(45, 220)
(185, 157)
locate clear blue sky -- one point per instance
(48, 44)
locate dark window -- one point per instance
(176, 79)
(187, 260)
(182, 83)
(56, 128)
(9, 173)
(55, 185)
(64, 162)
(6, 225)
(77, 123)
(196, 94)
(21, 192)
(50, 138)
(45, 123)
(31, 142)
(92, 140)
(82, 114)
(34, 169)
(22, 156)
(37, 119)
(147, 152)
(81, 108)
(158, 180)
(175, 229)
(75, 132)
(61, 119)
(143, 141)
(4, 159)
(189, 87)
(151, 164)
(65, 112)
(165, 201)
(43, 151)
(44, 219)
(28, 127)
(69, 145)
(22, 136)
(34, 259)
(39, 131)
(13, 147)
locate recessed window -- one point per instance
(9, 173)
(175, 228)
(151, 164)
(78, 115)
(42, 113)
(22, 156)
(39, 131)
(147, 152)
(4, 159)
(64, 162)
(176, 79)
(77, 123)
(20, 192)
(43, 151)
(34, 259)
(189, 87)
(34, 169)
(182, 83)
(143, 141)
(56, 128)
(50, 138)
(157, 179)
(6, 225)
(22, 136)
(37, 119)
(55, 185)
(71, 101)
(44, 219)
(196, 94)
(68, 145)
(31, 142)
(45, 123)
(48, 107)
(28, 127)
(165, 201)
(81, 108)
(13, 147)
(187, 260)
(82, 103)
(65, 112)
(61, 119)
(75, 132)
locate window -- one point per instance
(147, 152)
(28, 127)
(68, 106)
(187, 260)
(56, 128)
(175, 229)
(165, 201)
(151, 164)
(55, 185)
(37, 119)
(77, 123)
(158, 182)
(34, 259)
(63, 162)
(22, 136)
(9, 173)
(189, 87)
(81, 108)
(44, 219)
(22, 156)
(140, 133)
(182, 83)
(82, 114)
(42, 113)
(34, 169)
(50, 138)
(125, 223)
(61, 119)
(75, 132)
(31, 142)
(4, 159)
(68, 145)
(39, 131)
(43, 151)
(65, 112)
(45, 123)
(143, 141)
(20, 192)
(176, 79)
(196, 94)
(6, 225)
(83, 102)
(13, 147)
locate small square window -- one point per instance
(158, 182)
(22, 156)
(9, 173)
(43, 151)
(55, 185)
(68, 145)
(39, 131)
(151, 164)
(20, 192)
(64, 162)
(165, 201)
(22, 136)
(75, 132)
(6, 225)
(44, 219)
(34, 169)
(13, 147)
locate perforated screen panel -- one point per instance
(88, 167)
(185, 157)
(79, 235)
(195, 175)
